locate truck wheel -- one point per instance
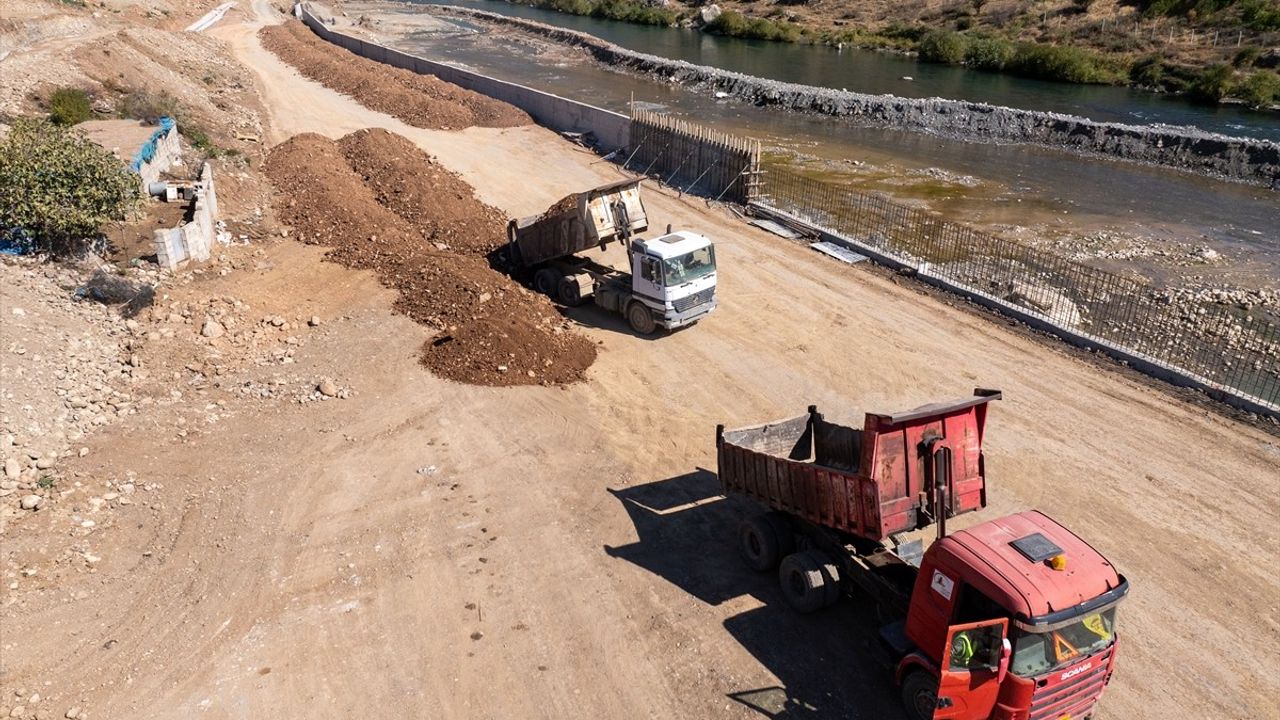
(920, 695)
(782, 530)
(570, 291)
(545, 281)
(640, 318)
(758, 543)
(804, 581)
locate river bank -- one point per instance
(1247, 160)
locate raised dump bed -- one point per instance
(870, 482)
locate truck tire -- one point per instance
(804, 581)
(546, 281)
(570, 291)
(640, 318)
(920, 695)
(759, 544)
(782, 529)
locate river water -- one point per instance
(1022, 191)
(882, 73)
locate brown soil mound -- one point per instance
(493, 330)
(420, 100)
(434, 200)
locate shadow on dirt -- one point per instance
(829, 664)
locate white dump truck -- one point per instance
(672, 278)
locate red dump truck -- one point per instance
(1010, 619)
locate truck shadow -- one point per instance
(828, 665)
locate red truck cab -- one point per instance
(1011, 619)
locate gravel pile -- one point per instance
(492, 331)
(420, 100)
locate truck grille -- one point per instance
(693, 301)
(1075, 696)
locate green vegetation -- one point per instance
(943, 46)
(734, 24)
(989, 53)
(69, 106)
(58, 187)
(1259, 90)
(622, 10)
(1259, 15)
(1037, 60)
(1212, 85)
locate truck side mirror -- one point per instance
(1006, 652)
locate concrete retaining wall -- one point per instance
(612, 130)
(1247, 160)
(193, 240)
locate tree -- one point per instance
(58, 188)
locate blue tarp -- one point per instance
(148, 149)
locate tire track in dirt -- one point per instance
(382, 204)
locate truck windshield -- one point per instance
(682, 269)
(1035, 653)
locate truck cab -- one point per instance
(1011, 619)
(674, 276)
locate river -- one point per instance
(882, 73)
(1035, 194)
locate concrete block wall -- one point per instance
(612, 130)
(168, 148)
(192, 240)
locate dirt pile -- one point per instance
(420, 100)
(423, 193)
(429, 246)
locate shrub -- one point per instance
(69, 106)
(987, 53)
(58, 187)
(735, 24)
(1148, 72)
(1260, 90)
(943, 46)
(1260, 15)
(149, 106)
(1060, 62)
(1246, 56)
(1211, 85)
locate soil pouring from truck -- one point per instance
(672, 282)
(1013, 618)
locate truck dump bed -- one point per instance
(578, 222)
(870, 482)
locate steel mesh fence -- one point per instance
(693, 159)
(1232, 348)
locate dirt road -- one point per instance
(429, 549)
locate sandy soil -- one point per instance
(428, 549)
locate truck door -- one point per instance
(973, 665)
(647, 277)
